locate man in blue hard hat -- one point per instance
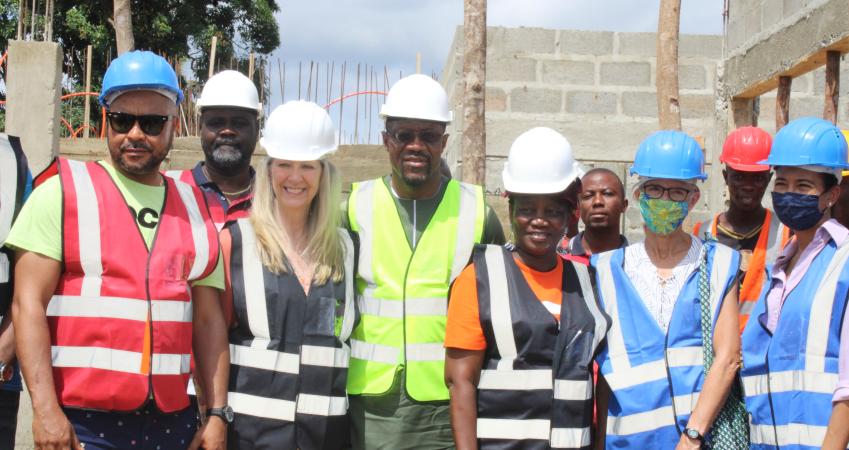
(117, 275)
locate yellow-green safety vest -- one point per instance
(402, 293)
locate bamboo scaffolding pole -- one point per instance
(87, 108)
(342, 94)
(782, 102)
(281, 77)
(213, 47)
(357, 110)
(832, 86)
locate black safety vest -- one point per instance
(536, 389)
(288, 353)
(13, 178)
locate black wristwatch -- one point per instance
(694, 434)
(225, 413)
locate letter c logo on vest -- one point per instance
(147, 217)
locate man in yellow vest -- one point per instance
(416, 230)
(747, 226)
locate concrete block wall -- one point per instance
(597, 88)
(752, 21)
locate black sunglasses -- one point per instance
(150, 124)
(407, 137)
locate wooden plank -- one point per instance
(832, 86)
(668, 27)
(782, 102)
(474, 92)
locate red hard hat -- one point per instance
(744, 147)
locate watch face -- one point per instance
(693, 434)
(228, 413)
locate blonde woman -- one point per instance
(290, 281)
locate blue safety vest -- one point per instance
(789, 376)
(655, 377)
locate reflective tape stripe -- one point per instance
(374, 352)
(118, 360)
(425, 352)
(792, 434)
(502, 321)
(640, 422)
(175, 174)
(5, 267)
(774, 238)
(313, 355)
(615, 341)
(8, 186)
(719, 273)
(821, 310)
(573, 389)
(199, 231)
(350, 290)
(259, 358)
(592, 303)
(364, 215)
(119, 308)
(790, 380)
(514, 429)
(395, 309)
(267, 408)
(322, 405)
(655, 370)
(747, 307)
(515, 380)
(686, 403)
(88, 228)
(466, 219)
(570, 437)
(684, 356)
(254, 283)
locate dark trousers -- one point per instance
(147, 429)
(9, 401)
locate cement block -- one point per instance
(697, 107)
(33, 88)
(496, 99)
(574, 42)
(805, 107)
(535, 100)
(753, 21)
(801, 84)
(511, 68)
(692, 76)
(583, 102)
(568, 72)
(639, 104)
(494, 183)
(519, 41)
(639, 44)
(625, 74)
(736, 33)
(700, 46)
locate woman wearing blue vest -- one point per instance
(523, 324)
(796, 346)
(652, 392)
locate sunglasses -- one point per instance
(406, 137)
(150, 124)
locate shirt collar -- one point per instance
(576, 246)
(831, 229)
(202, 181)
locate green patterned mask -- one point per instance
(662, 216)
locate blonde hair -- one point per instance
(324, 248)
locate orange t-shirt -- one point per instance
(464, 331)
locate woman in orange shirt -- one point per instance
(523, 324)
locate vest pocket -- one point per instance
(320, 317)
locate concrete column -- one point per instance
(33, 88)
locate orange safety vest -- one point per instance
(767, 248)
(121, 317)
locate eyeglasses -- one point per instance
(407, 137)
(676, 194)
(150, 124)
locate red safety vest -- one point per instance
(219, 213)
(121, 316)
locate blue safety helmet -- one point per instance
(809, 141)
(669, 154)
(139, 70)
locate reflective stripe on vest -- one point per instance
(272, 391)
(789, 376)
(13, 179)
(522, 396)
(402, 292)
(114, 295)
(767, 249)
(220, 215)
(642, 364)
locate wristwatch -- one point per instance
(6, 372)
(694, 434)
(225, 413)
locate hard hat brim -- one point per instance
(516, 187)
(747, 167)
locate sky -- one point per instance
(389, 33)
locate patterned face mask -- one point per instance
(662, 216)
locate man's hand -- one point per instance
(52, 430)
(211, 436)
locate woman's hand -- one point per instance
(686, 443)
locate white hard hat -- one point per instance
(540, 162)
(417, 97)
(298, 131)
(229, 88)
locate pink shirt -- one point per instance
(783, 285)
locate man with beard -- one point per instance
(601, 203)
(117, 282)
(416, 230)
(747, 226)
(229, 118)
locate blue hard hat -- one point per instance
(669, 154)
(808, 141)
(139, 70)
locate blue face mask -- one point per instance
(797, 211)
(663, 216)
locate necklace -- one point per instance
(229, 194)
(738, 236)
